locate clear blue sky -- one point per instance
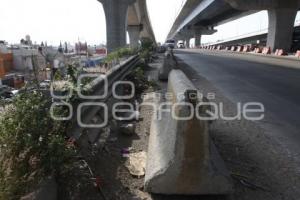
(70, 20)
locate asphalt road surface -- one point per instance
(273, 82)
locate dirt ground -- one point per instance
(259, 166)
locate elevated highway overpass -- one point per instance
(198, 17)
(126, 15)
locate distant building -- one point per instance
(81, 48)
(3, 47)
(6, 63)
(6, 68)
(101, 51)
(28, 40)
(26, 58)
(22, 56)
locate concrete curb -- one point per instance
(181, 157)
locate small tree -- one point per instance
(146, 49)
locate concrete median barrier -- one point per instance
(169, 63)
(181, 157)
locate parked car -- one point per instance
(7, 92)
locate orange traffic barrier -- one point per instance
(239, 49)
(257, 50)
(266, 50)
(280, 52)
(233, 48)
(220, 47)
(226, 48)
(246, 48)
(298, 54)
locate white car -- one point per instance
(181, 45)
(170, 44)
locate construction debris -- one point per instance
(136, 163)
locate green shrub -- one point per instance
(140, 81)
(146, 49)
(32, 144)
(147, 44)
(120, 53)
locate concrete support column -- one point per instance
(281, 28)
(197, 36)
(197, 40)
(134, 35)
(116, 22)
(187, 43)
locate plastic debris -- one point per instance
(126, 151)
